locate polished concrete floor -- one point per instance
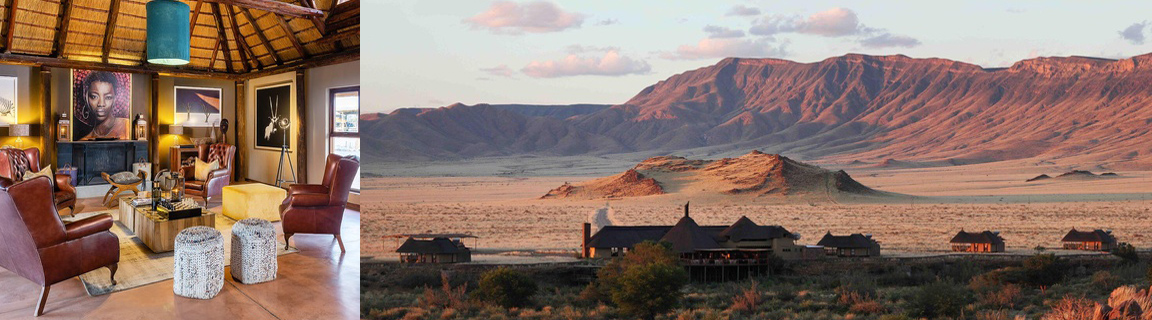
(319, 282)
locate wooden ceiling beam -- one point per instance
(260, 34)
(195, 17)
(352, 54)
(318, 21)
(245, 52)
(273, 6)
(223, 37)
(24, 59)
(61, 40)
(291, 36)
(215, 53)
(335, 38)
(10, 21)
(112, 15)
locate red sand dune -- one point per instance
(756, 174)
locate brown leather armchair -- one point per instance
(214, 185)
(40, 248)
(319, 208)
(15, 162)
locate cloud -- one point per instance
(611, 64)
(505, 17)
(606, 22)
(723, 48)
(578, 49)
(835, 22)
(722, 32)
(1134, 33)
(742, 10)
(500, 71)
(885, 40)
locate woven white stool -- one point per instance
(199, 259)
(253, 251)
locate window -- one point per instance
(344, 135)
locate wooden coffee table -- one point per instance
(156, 231)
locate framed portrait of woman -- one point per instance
(101, 105)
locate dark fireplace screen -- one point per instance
(93, 157)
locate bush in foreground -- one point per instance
(505, 287)
(644, 283)
(940, 299)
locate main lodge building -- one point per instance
(743, 242)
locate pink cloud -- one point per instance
(611, 64)
(833, 22)
(726, 47)
(506, 17)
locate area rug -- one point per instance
(139, 266)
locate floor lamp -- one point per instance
(284, 125)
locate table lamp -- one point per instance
(20, 131)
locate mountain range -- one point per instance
(851, 108)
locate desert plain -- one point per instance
(497, 200)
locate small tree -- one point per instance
(940, 299)
(645, 282)
(1127, 252)
(505, 287)
(1043, 271)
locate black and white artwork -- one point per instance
(273, 116)
(7, 100)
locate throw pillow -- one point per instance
(47, 172)
(203, 168)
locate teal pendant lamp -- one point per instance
(168, 35)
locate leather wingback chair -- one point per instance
(218, 179)
(40, 248)
(15, 162)
(319, 208)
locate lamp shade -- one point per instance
(20, 130)
(168, 34)
(176, 129)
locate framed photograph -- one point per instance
(7, 100)
(196, 106)
(273, 116)
(101, 105)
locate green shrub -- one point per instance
(505, 287)
(1104, 280)
(1043, 270)
(1127, 252)
(645, 282)
(940, 299)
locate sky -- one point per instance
(430, 53)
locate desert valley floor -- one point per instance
(502, 209)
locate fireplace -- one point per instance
(93, 157)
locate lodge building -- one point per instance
(853, 245)
(986, 241)
(1095, 240)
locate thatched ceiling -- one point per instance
(230, 38)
